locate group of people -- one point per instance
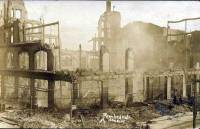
(178, 100)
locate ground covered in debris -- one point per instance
(138, 113)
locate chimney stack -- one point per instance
(108, 5)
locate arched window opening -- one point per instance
(24, 60)
(41, 60)
(106, 62)
(130, 60)
(41, 87)
(10, 60)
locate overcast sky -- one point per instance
(78, 19)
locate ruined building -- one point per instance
(30, 72)
(137, 62)
(152, 49)
(26, 45)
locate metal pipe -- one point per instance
(180, 34)
(54, 23)
(187, 19)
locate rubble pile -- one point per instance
(112, 117)
(140, 114)
(38, 119)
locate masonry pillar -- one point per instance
(16, 84)
(165, 87)
(16, 66)
(3, 89)
(104, 67)
(32, 80)
(197, 85)
(129, 81)
(79, 90)
(184, 87)
(197, 77)
(151, 88)
(129, 90)
(16, 31)
(75, 91)
(104, 94)
(169, 82)
(159, 85)
(51, 86)
(147, 88)
(51, 83)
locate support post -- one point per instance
(79, 85)
(32, 92)
(104, 94)
(51, 83)
(3, 88)
(129, 81)
(194, 104)
(80, 90)
(51, 86)
(184, 87)
(16, 31)
(75, 92)
(32, 81)
(165, 88)
(197, 77)
(80, 57)
(169, 82)
(147, 91)
(104, 84)
(152, 88)
(128, 91)
(159, 85)
(16, 83)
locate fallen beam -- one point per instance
(172, 73)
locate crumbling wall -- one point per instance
(62, 94)
(138, 87)
(144, 38)
(195, 41)
(116, 90)
(90, 93)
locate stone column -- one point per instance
(147, 88)
(51, 83)
(165, 87)
(3, 66)
(75, 92)
(104, 83)
(51, 86)
(169, 83)
(16, 31)
(144, 87)
(16, 66)
(32, 80)
(184, 87)
(80, 90)
(104, 94)
(3, 88)
(129, 90)
(197, 77)
(129, 81)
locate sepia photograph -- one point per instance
(99, 64)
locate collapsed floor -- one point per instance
(90, 117)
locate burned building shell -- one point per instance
(137, 49)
